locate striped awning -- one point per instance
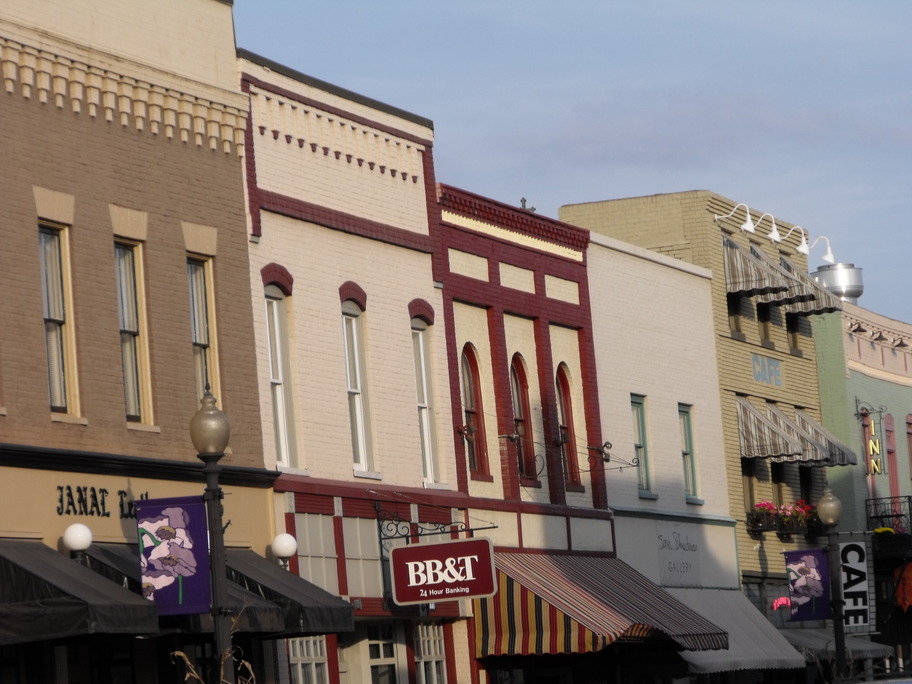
(748, 276)
(798, 290)
(548, 604)
(815, 452)
(804, 297)
(824, 301)
(762, 438)
(837, 452)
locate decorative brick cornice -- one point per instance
(102, 93)
(511, 218)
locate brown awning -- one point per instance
(762, 438)
(549, 603)
(45, 595)
(748, 276)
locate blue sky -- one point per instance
(800, 109)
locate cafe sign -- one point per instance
(427, 573)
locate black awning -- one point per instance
(252, 613)
(308, 608)
(45, 595)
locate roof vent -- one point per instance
(843, 280)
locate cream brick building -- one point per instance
(761, 300)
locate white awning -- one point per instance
(817, 644)
(753, 642)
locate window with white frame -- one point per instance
(318, 561)
(638, 413)
(423, 397)
(202, 325)
(308, 661)
(134, 353)
(280, 376)
(687, 451)
(381, 649)
(353, 336)
(362, 557)
(58, 325)
(430, 653)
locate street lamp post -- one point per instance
(209, 431)
(829, 510)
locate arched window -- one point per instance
(473, 430)
(522, 428)
(280, 375)
(567, 434)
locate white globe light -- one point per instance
(77, 537)
(284, 546)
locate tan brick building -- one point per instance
(123, 270)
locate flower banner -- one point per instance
(174, 554)
(809, 584)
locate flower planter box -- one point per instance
(762, 521)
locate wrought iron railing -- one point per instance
(891, 511)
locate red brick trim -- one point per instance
(418, 308)
(352, 292)
(338, 220)
(275, 274)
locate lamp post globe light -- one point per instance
(284, 546)
(77, 538)
(209, 432)
(829, 510)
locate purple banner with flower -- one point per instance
(174, 554)
(809, 584)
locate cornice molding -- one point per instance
(101, 93)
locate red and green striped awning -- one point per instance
(549, 603)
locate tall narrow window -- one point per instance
(909, 439)
(567, 434)
(352, 324)
(638, 412)
(430, 653)
(308, 660)
(202, 326)
(58, 328)
(423, 398)
(279, 375)
(473, 430)
(133, 354)
(522, 429)
(685, 423)
(889, 428)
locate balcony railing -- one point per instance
(892, 511)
